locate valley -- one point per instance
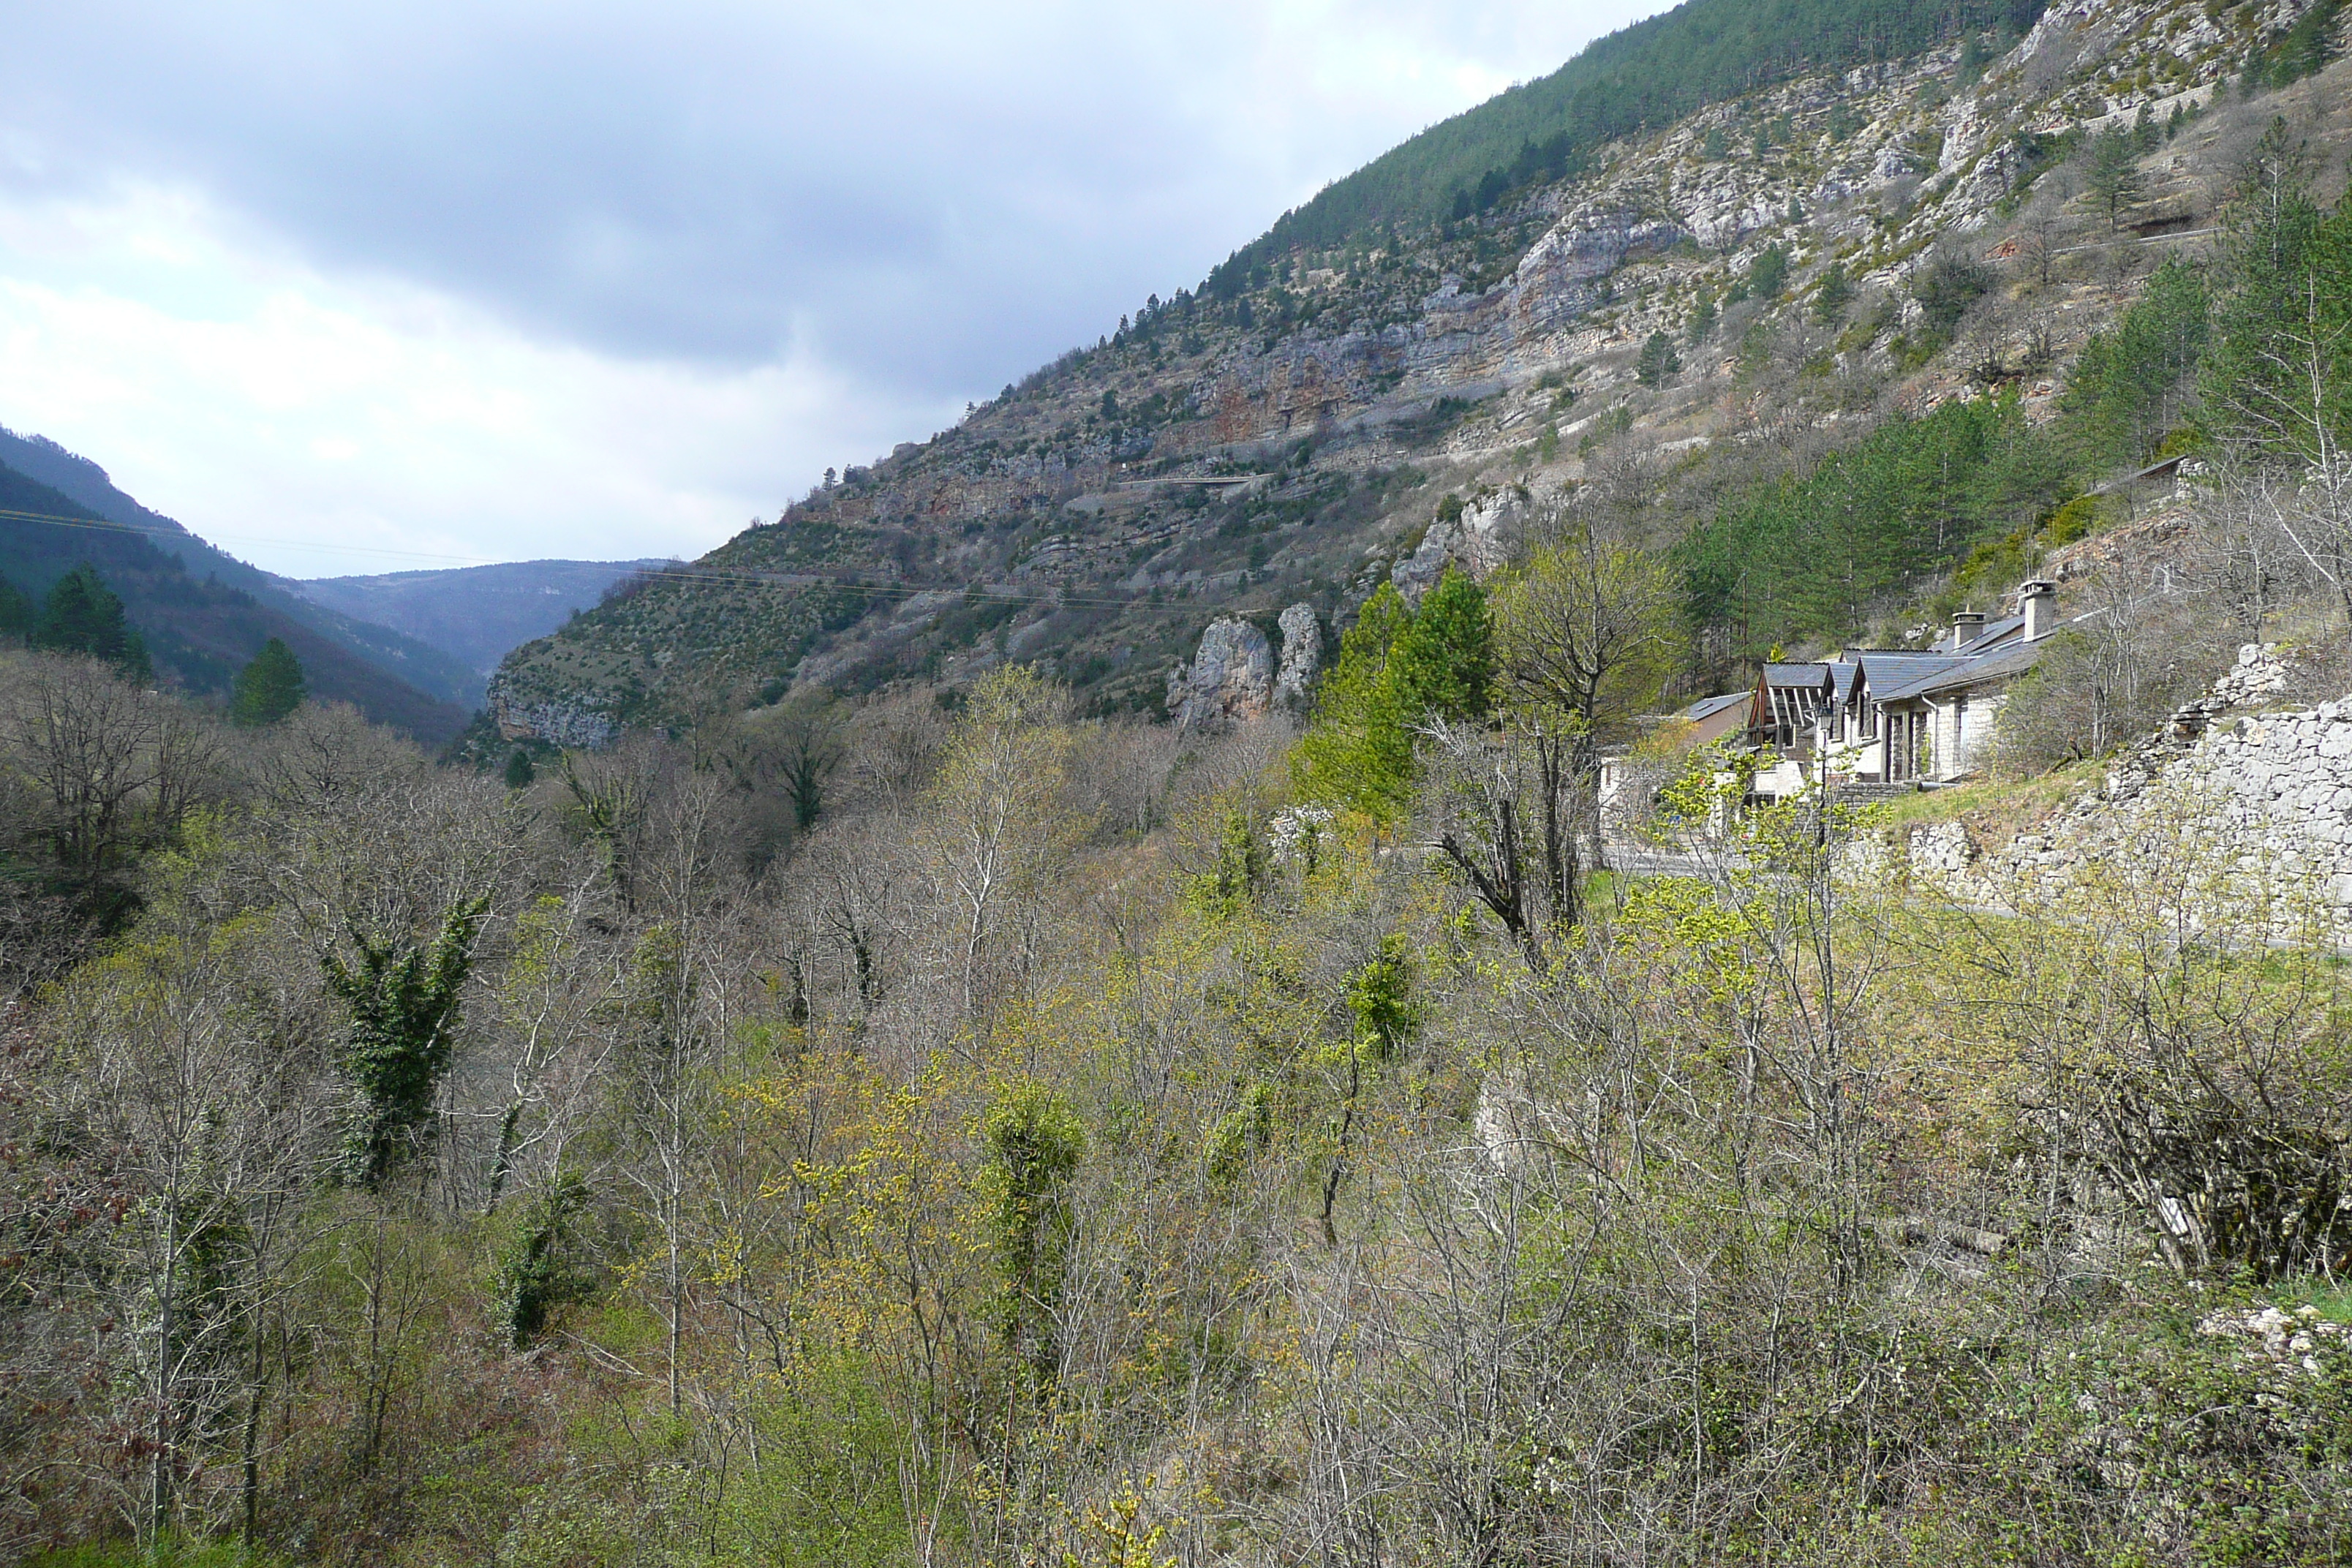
(1634, 851)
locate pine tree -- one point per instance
(2112, 179)
(520, 772)
(1832, 294)
(1702, 319)
(15, 615)
(269, 688)
(1443, 661)
(83, 615)
(1658, 360)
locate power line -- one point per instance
(104, 525)
(717, 577)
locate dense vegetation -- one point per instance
(934, 1126)
(1057, 1145)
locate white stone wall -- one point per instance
(2223, 807)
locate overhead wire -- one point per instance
(716, 576)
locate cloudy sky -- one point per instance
(360, 288)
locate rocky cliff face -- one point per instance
(1232, 457)
(1230, 678)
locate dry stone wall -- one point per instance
(2230, 801)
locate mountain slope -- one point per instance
(1825, 255)
(432, 670)
(1640, 77)
(200, 631)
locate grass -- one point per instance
(2334, 1300)
(171, 1552)
(1996, 810)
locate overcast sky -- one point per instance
(361, 289)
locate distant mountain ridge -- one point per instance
(433, 670)
(480, 614)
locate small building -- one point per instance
(1947, 717)
(1703, 724)
(1896, 716)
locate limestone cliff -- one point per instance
(1297, 440)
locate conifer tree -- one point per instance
(1442, 662)
(1832, 294)
(83, 615)
(15, 615)
(2112, 179)
(269, 688)
(1702, 319)
(1658, 360)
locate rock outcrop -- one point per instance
(1230, 678)
(1478, 539)
(1302, 653)
(567, 724)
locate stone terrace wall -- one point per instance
(2258, 803)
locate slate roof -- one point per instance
(1995, 633)
(1887, 669)
(1709, 707)
(1969, 671)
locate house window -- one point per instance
(1960, 732)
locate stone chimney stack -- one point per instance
(2037, 600)
(1966, 627)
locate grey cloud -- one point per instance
(937, 202)
(920, 194)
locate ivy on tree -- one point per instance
(1035, 1141)
(404, 1003)
(269, 688)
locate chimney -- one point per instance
(1966, 627)
(2037, 600)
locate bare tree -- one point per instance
(1585, 638)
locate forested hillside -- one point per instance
(407, 660)
(199, 631)
(1641, 78)
(842, 1076)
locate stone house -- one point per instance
(1940, 721)
(1893, 716)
